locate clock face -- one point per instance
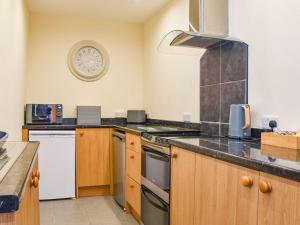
(88, 60)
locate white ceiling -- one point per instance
(136, 11)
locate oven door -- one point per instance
(156, 166)
(153, 209)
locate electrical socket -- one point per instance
(120, 114)
(187, 117)
(266, 120)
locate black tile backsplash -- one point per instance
(231, 93)
(223, 81)
(210, 129)
(210, 103)
(234, 62)
(210, 67)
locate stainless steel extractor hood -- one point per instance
(208, 26)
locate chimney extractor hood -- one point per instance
(208, 27)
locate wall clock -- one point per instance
(88, 60)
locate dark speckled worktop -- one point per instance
(134, 128)
(13, 184)
(280, 162)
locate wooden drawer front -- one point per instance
(133, 142)
(133, 165)
(133, 194)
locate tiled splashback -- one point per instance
(223, 81)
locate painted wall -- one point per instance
(49, 79)
(171, 82)
(13, 23)
(271, 28)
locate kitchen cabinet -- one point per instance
(133, 162)
(133, 194)
(182, 187)
(224, 193)
(133, 142)
(93, 161)
(29, 210)
(133, 175)
(207, 191)
(278, 201)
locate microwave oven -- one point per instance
(43, 114)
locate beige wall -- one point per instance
(271, 28)
(13, 23)
(49, 79)
(171, 82)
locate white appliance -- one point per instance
(56, 163)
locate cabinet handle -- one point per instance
(132, 143)
(34, 182)
(265, 187)
(132, 156)
(174, 155)
(247, 181)
(36, 174)
(81, 133)
(131, 186)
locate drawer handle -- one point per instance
(247, 181)
(131, 186)
(81, 133)
(174, 155)
(265, 187)
(132, 156)
(132, 143)
(34, 182)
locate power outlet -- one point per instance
(266, 120)
(120, 114)
(187, 117)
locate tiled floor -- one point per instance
(84, 211)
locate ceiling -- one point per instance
(135, 11)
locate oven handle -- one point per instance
(164, 207)
(157, 153)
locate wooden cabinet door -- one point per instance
(34, 201)
(182, 187)
(220, 197)
(279, 206)
(29, 210)
(93, 167)
(23, 215)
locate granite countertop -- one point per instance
(13, 184)
(269, 159)
(135, 128)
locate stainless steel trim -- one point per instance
(118, 134)
(156, 190)
(162, 149)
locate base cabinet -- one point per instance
(280, 205)
(133, 175)
(206, 191)
(221, 197)
(182, 187)
(29, 209)
(93, 161)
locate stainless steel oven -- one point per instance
(155, 197)
(155, 211)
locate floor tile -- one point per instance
(84, 211)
